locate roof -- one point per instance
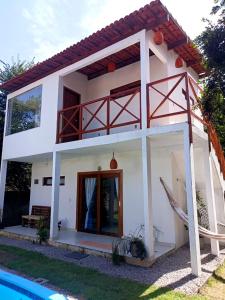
(154, 16)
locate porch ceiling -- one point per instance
(121, 59)
(126, 146)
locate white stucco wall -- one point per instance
(42, 139)
(133, 214)
(132, 186)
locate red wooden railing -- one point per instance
(102, 114)
(185, 96)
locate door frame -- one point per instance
(80, 176)
(72, 92)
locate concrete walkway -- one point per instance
(173, 271)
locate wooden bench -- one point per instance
(38, 212)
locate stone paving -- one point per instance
(173, 271)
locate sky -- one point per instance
(41, 28)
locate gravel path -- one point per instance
(173, 271)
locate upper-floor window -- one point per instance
(24, 111)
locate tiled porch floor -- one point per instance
(85, 240)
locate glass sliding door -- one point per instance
(109, 204)
(100, 202)
(89, 204)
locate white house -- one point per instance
(129, 89)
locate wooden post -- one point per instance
(145, 75)
(56, 163)
(191, 204)
(210, 198)
(148, 213)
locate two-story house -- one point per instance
(128, 91)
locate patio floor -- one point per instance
(95, 242)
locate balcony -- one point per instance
(170, 100)
(114, 113)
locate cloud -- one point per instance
(100, 15)
(57, 24)
(46, 25)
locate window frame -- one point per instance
(9, 111)
(45, 179)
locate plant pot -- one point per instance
(137, 249)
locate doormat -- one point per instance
(100, 245)
(76, 255)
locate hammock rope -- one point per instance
(184, 217)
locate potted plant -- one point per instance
(42, 231)
(132, 245)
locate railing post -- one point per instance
(80, 122)
(148, 104)
(58, 128)
(145, 74)
(108, 115)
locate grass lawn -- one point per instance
(88, 283)
(215, 287)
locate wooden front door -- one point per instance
(70, 99)
(99, 200)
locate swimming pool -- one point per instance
(13, 287)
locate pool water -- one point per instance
(7, 293)
(13, 287)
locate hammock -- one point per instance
(184, 217)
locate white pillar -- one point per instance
(148, 215)
(191, 205)
(210, 198)
(55, 195)
(145, 74)
(3, 173)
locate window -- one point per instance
(126, 87)
(48, 180)
(100, 202)
(24, 111)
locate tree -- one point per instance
(212, 44)
(18, 174)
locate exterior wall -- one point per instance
(163, 216)
(77, 82)
(42, 139)
(132, 186)
(164, 220)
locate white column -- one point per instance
(55, 195)
(210, 198)
(191, 205)
(145, 74)
(147, 197)
(3, 173)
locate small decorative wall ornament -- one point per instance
(99, 168)
(179, 62)
(158, 37)
(111, 67)
(113, 163)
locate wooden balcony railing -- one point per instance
(101, 115)
(184, 94)
(174, 99)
